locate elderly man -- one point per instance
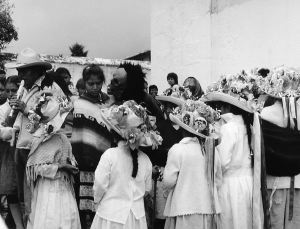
(32, 71)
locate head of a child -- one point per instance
(80, 87)
(172, 79)
(12, 85)
(153, 90)
(93, 78)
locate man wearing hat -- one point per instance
(32, 71)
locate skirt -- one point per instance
(8, 182)
(194, 221)
(53, 206)
(131, 223)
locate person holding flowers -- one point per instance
(192, 171)
(124, 173)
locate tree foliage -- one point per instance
(8, 31)
(78, 50)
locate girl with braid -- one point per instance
(124, 173)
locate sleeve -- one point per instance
(225, 148)
(48, 171)
(102, 176)
(148, 176)
(172, 168)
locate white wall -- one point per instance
(206, 38)
(180, 40)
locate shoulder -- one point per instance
(176, 149)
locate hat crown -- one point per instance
(28, 56)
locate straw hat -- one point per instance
(48, 114)
(132, 123)
(29, 58)
(282, 82)
(240, 90)
(195, 117)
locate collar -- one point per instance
(187, 140)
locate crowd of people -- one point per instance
(129, 158)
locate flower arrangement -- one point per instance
(131, 121)
(282, 82)
(197, 115)
(47, 107)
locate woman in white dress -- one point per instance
(191, 173)
(50, 167)
(234, 151)
(124, 173)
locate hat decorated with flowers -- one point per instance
(48, 114)
(196, 117)
(281, 82)
(131, 121)
(240, 90)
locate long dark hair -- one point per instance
(134, 153)
(135, 86)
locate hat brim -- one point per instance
(177, 121)
(110, 125)
(170, 99)
(222, 97)
(42, 64)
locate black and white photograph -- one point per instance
(149, 114)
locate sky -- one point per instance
(107, 28)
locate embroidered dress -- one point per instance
(90, 138)
(119, 196)
(237, 185)
(53, 204)
(189, 203)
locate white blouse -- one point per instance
(116, 192)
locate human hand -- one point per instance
(17, 104)
(68, 168)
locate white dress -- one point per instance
(237, 184)
(53, 204)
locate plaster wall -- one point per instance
(206, 38)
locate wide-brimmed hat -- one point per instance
(132, 123)
(48, 114)
(281, 82)
(195, 117)
(240, 90)
(29, 58)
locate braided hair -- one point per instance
(115, 138)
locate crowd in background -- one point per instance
(130, 158)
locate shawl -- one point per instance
(90, 137)
(55, 149)
(282, 147)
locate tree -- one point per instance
(77, 50)
(7, 29)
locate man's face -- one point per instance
(153, 92)
(28, 75)
(3, 95)
(118, 83)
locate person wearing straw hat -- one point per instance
(234, 96)
(32, 71)
(123, 175)
(192, 171)
(50, 166)
(280, 127)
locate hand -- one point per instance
(68, 168)
(17, 104)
